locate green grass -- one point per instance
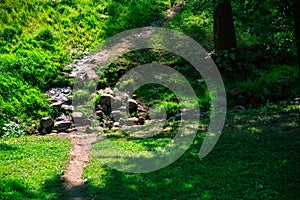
(30, 167)
(255, 158)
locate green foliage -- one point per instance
(13, 129)
(280, 82)
(195, 20)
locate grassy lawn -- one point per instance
(256, 157)
(30, 167)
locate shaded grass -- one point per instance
(30, 167)
(255, 158)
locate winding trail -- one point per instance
(75, 187)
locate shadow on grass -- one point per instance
(18, 189)
(6, 147)
(257, 157)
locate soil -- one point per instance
(75, 187)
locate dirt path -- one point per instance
(75, 187)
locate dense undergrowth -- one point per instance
(38, 39)
(266, 55)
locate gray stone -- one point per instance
(62, 125)
(15, 119)
(67, 107)
(56, 104)
(106, 99)
(236, 91)
(241, 100)
(99, 113)
(115, 128)
(116, 124)
(77, 115)
(46, 123)
(132, 105)
(64, 118)
(266, 93)
(133, 119)
(69, 130)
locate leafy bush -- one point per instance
(13, 129)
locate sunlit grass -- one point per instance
(30, 167)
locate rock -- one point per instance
(116, 124)
(64, 117)
(133, 119)
(46, 122)
(236, 91)
(122, 122)
(69, 130)
(266, 93)
(15, 119)
(91, 74)
(99, 113)
(56, 104)
(142, 108)
(106, 99)
(238, 109)
(62, 125)
(241, 100)
(132, 105)
(67, 108)
(106, 109)
(46, 125)
(116, 114)
(66, 90)
(54, 131)
(77, 115)
(108, 90)
(108, 123)
(115, 128)
(63, 122)
(134, 97)
(141, 120)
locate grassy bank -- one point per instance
(38, 39)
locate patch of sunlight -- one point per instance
(253, 130)
(188, 185)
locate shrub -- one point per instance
(12, 129)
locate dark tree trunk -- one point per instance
(296, 10)
(224, 33)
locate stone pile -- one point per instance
(116, 109)
(113, 111)
(61, 99)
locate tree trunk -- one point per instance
(224, 33)
(296, 10)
